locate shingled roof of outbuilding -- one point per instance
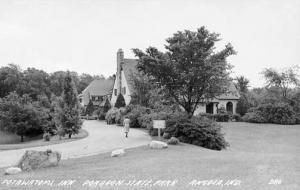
(99, 87)
(231, 94)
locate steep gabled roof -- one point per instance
(99, 87)
(129, 68)
(232, 93)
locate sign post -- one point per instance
(159, 124)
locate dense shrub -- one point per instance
(120, 116)
(110, 116)
(133, 117)
(101, 114)
(206, 115)
(198, 131)
(221, 117)
(254, 117)
(137, 108)
(46, 136)
(236, 117)
(134, 112)
(103, 109)
(279, 113)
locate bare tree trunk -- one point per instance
(70, 135)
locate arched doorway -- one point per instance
(229, 107)
(210, 108)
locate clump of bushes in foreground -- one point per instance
(198, 131)
(280, 113)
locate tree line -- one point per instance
(33, 102)
(35, 82)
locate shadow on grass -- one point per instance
(38, 141)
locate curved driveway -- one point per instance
(102, 138)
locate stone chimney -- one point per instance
(120, 61)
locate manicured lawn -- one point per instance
(258, 154)
(11, 141)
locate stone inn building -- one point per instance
(103, 90)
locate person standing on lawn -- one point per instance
(126, 126)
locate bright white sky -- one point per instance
(84, 35)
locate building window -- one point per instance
(93, 98)
(115, 92)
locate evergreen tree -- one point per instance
(70, 120)
(120, 102)
(89, 108)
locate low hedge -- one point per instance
(235, 117)
(221, 117)
(254, 117)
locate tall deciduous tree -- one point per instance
(142, 86)
(284, 80)
(191, 71)
(37, 82)
(22, 116)
(70, 120)
(242, 84)
(84, 81)
(10, 77)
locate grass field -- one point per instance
(259, 157)
(11, 141)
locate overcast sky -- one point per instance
(84, 35)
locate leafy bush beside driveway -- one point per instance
(198, 131)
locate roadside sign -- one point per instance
(159, 124)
